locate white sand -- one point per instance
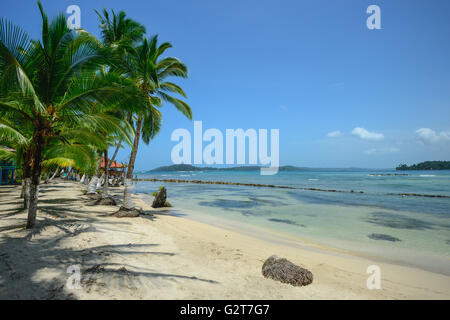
(169, 257)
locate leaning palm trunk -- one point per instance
(128, 208)
(54, 174)
(52, 177)
(106, 199)
(83, 178)
(116, 151)
(100, 181)
(120, 141)
(106, 183)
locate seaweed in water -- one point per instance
(230, 204)
(394, 221)
(287, 222)
(379, 236)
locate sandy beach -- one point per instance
(165, 256)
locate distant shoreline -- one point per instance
(426, 166)
(188, 167)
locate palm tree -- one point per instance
(119, 35)
(109, 137)
(58, 83)
(149, 71)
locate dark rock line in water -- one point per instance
(418, 195)
(280, 187)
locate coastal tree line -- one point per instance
(427, 165)
(68, 97)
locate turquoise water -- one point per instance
(406, 230)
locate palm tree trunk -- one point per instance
(128, 207)
(22, 192)
(100, 181)
(54, 174)
(38, 146)
(120, 141)
(116, 151)
(105, 185)
(137, 137)
(92, 184)
(26, 174)
(127, 201)
(92, 187)
(26, 197)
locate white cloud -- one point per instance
(334, 134)
(366, 135)
(429, 136)
(387, 150)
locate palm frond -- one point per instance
(182, 106)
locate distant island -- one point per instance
(188, 167)
(427, 165)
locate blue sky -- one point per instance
(307, 68)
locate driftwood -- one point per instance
(283, 270)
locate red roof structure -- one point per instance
(112, 164)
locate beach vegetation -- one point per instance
(54, 94)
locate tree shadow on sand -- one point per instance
(33, 263)
(33, 266)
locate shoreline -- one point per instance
(166, 256)
(303, 243)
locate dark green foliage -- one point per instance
(427, 165)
